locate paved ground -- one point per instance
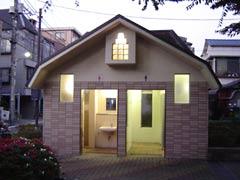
(108, 167)
(17, 123)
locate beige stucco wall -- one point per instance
(152, 60)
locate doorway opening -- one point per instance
(99, 120)
(145, 122)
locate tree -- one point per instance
(227, 6)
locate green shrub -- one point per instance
(24, 159)
(29, 131)
(224, 134)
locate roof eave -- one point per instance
(206, 70)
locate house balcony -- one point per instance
(228, 75)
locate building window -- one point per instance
(181, 88)
(228, 67)
(5, 46)
(146, 109)
(74, 37)
(120, 48)
(66, 88)
(30, 71)
(5, 76)
(60, 35)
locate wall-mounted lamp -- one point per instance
(27, 54)
(145, 77)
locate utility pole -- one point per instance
(39, 36)
(1, 37)
(14, 12)
(38, 61)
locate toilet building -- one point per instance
(126, 90)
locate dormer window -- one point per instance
(120, 48)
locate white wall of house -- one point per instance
(212, 53)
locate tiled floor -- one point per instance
(110, 167)
(146, 149)
(100, 150)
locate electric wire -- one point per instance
(44, 22)
(30, 6)
(143, 17)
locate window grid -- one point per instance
(5, 46)
(120, 51)
(5, 76)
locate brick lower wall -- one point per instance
(61, 124)
(186, 126)
(186, 134)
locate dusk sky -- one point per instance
(196, 25)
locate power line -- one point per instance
(46, 6)
(143, 17)
(31, 7)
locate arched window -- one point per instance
(120, 48)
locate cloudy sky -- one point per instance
(196, 25)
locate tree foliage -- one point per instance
(228, 6)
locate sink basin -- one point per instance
(108, 129)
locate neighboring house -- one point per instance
(61, 36)
(127, 90)
(228, 106)
(27, 37)
(224, 103)
(224, 58)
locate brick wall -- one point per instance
(61, 125)
(186, 134)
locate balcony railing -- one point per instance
(228, 75)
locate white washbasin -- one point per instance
(108, 129)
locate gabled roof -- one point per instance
(172, 38)
(23, 22)
(218, 43)
(79, 45)
(223, 42)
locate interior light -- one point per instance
(181, 88)
(110, 93)
(67, 88)
(69, 85)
